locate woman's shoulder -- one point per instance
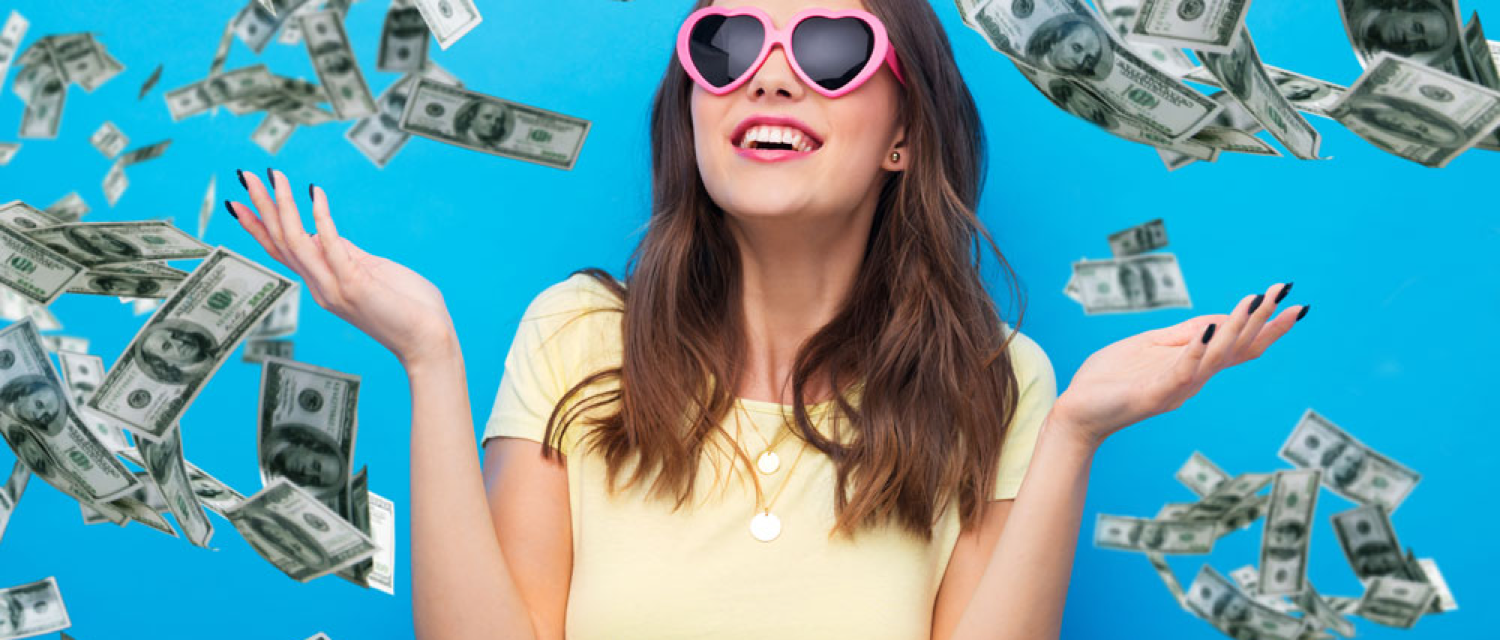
(1027, 358)
(578, 310)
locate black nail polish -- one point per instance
(272, 177)
(1255, 304)
(241, 175)
(1284, 288)
(1303, 312)
(232, 214)
(312, 191)
(1208, 334)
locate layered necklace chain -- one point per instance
(766, 526)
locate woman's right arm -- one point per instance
(462, 587)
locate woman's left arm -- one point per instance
(1025, 584)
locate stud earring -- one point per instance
(895, 156)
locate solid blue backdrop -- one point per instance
(1396, 259)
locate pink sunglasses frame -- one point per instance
(882, 52)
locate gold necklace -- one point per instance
(765, 526)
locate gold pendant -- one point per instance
(768, 462)
(765, 527)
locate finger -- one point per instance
(1181, 333)
(1220, 344)
(265, 207)
(1190, 359)
(334, 252)
(1273, 331)
(257, 229)
(1256, 321)
(302, 248)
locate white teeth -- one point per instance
(767, 134)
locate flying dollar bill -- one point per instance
(150, 83)
(35, 608)
(1122, 15)
(1319, 608)
(1426, 32)
(298, 534)
(136, 280)
(1417, 112)
(1125, 533)
(1395, 602)
(93, 244)
(11, 34)
(1217, 600)
(379, 136)
(338, 69)
(1304, 93)
(8, 151)
(206, 208)
(1148, 236)
(115, 183)
(403, 39)
(10, 494)
(1243, 76)
(218, 89)
(1283, 547)
(449, 19)
(32, 269)
(109, 140)
(1350, 468)
(1369, 543)
(491, 125)
(1248, 579)
(182, 345)
(382, 574)
(306, 429)
(1080, 99)
(82, 374)
(1202, 25)
(1201, 475)
(359, 516)
(1430, 575)
(1135, 283)
(258, 22)
(272, 133)
(282, 320)
(41, 426)
(1227, 497)
(258, 349)
(163, 460)
(69, 208)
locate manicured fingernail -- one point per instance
(1208, 334)
(1303, 312)
(272, 177)
(241, 175)
(312, 191)
(232, 214)
(1255, 304)
(1284, 288)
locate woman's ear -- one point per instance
(896, 156)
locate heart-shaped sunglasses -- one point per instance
(834, 52)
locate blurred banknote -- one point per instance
(492, 125)
(1417, 112)
(1134, 283)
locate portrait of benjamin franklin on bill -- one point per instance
(1406, 121)
(176, 351)
(36, 402)
(92, 245)
(309, 458)
(122, 285)
(283, 539)
(483, 124)
(1073, 45)
(1422, 30)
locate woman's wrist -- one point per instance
(1058, 424)
(435, 348)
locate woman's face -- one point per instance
(858, 132)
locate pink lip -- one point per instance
(778, 121)
(771, 155)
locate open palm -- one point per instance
(1156, 371)
(393, 304)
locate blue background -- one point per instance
(1396, 259)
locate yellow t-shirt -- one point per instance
(643, 572)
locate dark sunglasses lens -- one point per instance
(724, 47)
(833, 50)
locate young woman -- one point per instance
(808, 294)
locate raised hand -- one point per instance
(1155, 372)
(394, 305)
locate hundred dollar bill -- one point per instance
(1430, 575)
(83, 61)
(1241, 74)
(297, 533)
(133, 509)
(1172, 511)
(1141, 238)
(24, 217)
(213, 494)
(403, 39)
(1065, 37)
(272, 133)
(1124, 533)
(1485, 72)
(449, 19)
(1369, 543)
(1164, 571)
(1426, 32)
(359, 516)
(1283, 546)
(82, 373)
(1228, 496)
(10, 494)
(14, 306)
(221, 54)
(69, 208)
(1122, 14)
(92, 244)
(163, 460)
(1136, 283)
(258, 349)
(142, 154)
(1395, 602)
(41, 426)
(32, 269)
(1318, 608)
(1218, 601)
(185, 341)
(492, 125)
(1417, 112)
(115, 183)
(1350, 468)
(291, 30)
(206, 209)
(127, 280)
(8, 151)
(1204, 25)
(46, 94)
(109, 140)
(55, 343)
(379, 136)
(382, 574)
(1201, 475)
(1242, 515)
(150, 83)
(1248, 579)
(307, 425)
(282, 319)
(1079, 99)
(11, 34)
(217, 89)
(338, 69)
(35, 608)
(1232, 130)
(256, 23)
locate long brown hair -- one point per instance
(919, 331)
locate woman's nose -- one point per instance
(776, 78)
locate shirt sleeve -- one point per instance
(1038, 386)
(544, 361)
